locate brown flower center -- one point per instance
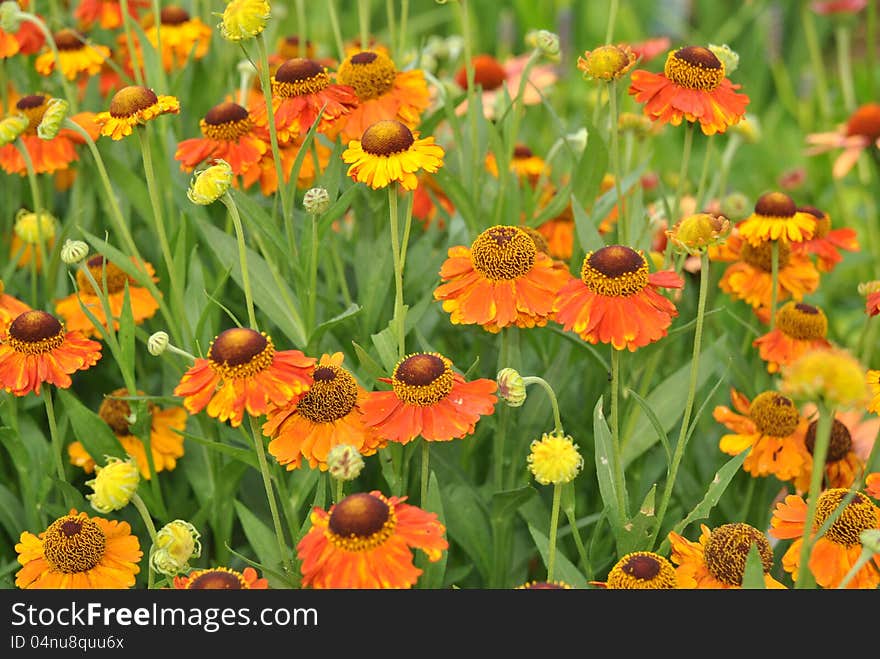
(131, 100)
(218, 579)
(116, 412)
(838, 447)
(361, 522)
(775, 204)
(801, 321)
(615, 271)
(386, 137)
(503, 253)
(865, 121)
(823, 221)
(521, 152)
(728, 548)
(299, 76)
(226, 122)
(774, 414)
(371, 74)
(33, 107)
(35, 332)
(240, 352)
(333, 395)
(761, 257)
(99, 268)
(67, 39)
(859, 515)
(73, 544)
(423, 378)
(173, 15)
(488, 73)
(694, 67)
(642, 570)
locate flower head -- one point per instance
(727, 56)
(607, 62)
(244, 19)
(641, 570)
(114, 484)
(316, 201)
(221, 578)
(134, 106)
(826, 242)
(554, 459)
(696, 233)
(860, 133)
(74, 251)
(210, 184)
(76, 57)
(511, 388)
(344, 462)
(176, 543)
(55, 114)
(184, 37)
(776, 217)
(827, 373)
(11, 127)
(32, 229)
(800, 327)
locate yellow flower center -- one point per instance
(642, 570)
(35, 333)
(361, 522)
(332, 395)
(503, 253)
(606, 62)
(774, 414)
(694, 67)
(615, 271)
(803, 322)
(761, 257)
(775, 205)
(220, 578)
(33, 107)
(823, 221)
(386, 137)
(838, 447)
(67, 39)
(99, 268)
(73, 544)
(859, 515)
(299, 76)
(423, 378)
(173, 15)
(371, 74)
(240, 352)
(131, 100)
(865, 121)
(226, 122)
(728, 548)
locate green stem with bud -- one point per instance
(151, 529)
(554, 526)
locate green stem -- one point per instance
(399, 318)
(557, 421)
(313, 276)
(554, 524)
(871, 53)
(503, 414)
(844, 66)
(151, 529)
(682, 172)
(615, 438)
(129, 42)
(704, 174)
(471, 95)
(392, 28)
(364, 23)
(404, 15)
(680, 446)
(578, 542)
(40, 249)
(720, 186)
(612, 17)
(270, 495)
(229, 202)
(302, 27)
(816, 60)
(774, 281)
(426, 456)
(622, 223)
(338, 490)
(820, 452)
(57, 447)
(334, 24)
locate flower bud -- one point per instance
(114, 484)
(10, 17)
(31, 228)
(344, 462)
(511, 387)
(695, 233)
(157, 343)
(11, 127)
(831, 374)
(210, 184)
(736, 206)
(316, 201)
(176, 543)
(554, 459)
(74, 251)
(727, 56)
(870, 539)
(545, 41)
(607, 62)
(53, 117)
(244, 19)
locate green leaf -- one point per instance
(753, 576)
(505, 504)
(242, 455)
(587, 231)
(350, 311)
(563, 569)
(605, 467)
(369, 364)
(658, 427)
(125, 335)
(468, 523)
(434, 572)
(261, 537)
(130, 187)
(639, 530)
(11, 512)
(386, 345)
(90, 429)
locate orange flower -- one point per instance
(503, 279)
(872, 303)
(799, 328)
(383, 92)
(523, 162)
(75, 56)
(718, 560)
(221, 578)
(166, 444)
(616, 301)
(558, 232)
(143, 304)
(243, 371)
(10, 308)
(329, 413)
(36, 349)
(838, 550)
(229, 134)
(772, 430)
(693, 87)
(133, 106)
(366, 541)
(429, 399)
(776, 217)
(858, 134)
(265, 172)
(106, 12)
(872, 484)
(497, 81)
(79, 552)
(183, 36)
(427, 201)
(826, 242)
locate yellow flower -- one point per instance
(696, 233)
(134, 106)
(554, 459)
(832, 374)
(244, 19)
(114, 484)
(210, 184)
(176, 543)
(607, 62)
(642, 570)
(11, 127)
(32, 229)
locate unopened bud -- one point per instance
(511, 387)
(10, 17)
(157, 343)
(727, 56)
(696, 233)
(176, 543)
(210, 184)
(344, 462)
(736, 206)
(53, 117)
(32, 228)
(74, 251)
(11, 127)
(545, 41)
(316, 201)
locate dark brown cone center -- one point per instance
(236, 346)
(420, 370)
(35, 325)
(225, 113)
(360, 515)
(616, 260)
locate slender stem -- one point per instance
(404, 15)
(313, 275)
(38, 252)
(704, 174)
(844, 66)
(242, 258)
(816, 60)
(339, 268)
(129, 42)
(820, 452)
(151, 529)
(334, 24)
(554, 524)
(426, 456)
(57, 447)
(50, 39)
(364, 23)
(338, 490)
(557, 421)
(682, 172)
(774, 281)
(503, 414)
(302, 27)
(720, 186)
(615, 436)
(612, 17)
(399, 318)
(578, 542)
(871, 53)
(622, 227)
(392, 28)
(471, 94)
(678, 454)
(270, 495)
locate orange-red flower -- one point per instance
(37, 350)
(244, 372)
(771, 428)
(872, 484)
(838, 550)
(75, 56)
(616, 301)
(108, 13)
(10, 308)
(383, 92)
(367, 541)
(826, 242)
(799, 328)
(497, 81)
(501, 280)
(133, 106)
(329, 413)
(221, 578)
(184, 37)
(693, 87)
(860, 133)
(559, 234)
(428, 399)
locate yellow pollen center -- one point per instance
(217, 579)
(423, 378)
(299, 76)
(503, 253)
(840, 444)
(332, 395)
(386, 137)
(761, 257)
(371, 74)
(615, 271)
(35, 333)
(774, 414)
(33, 107)
(131, 100)
(642, 570)
(240, 352)
(859, 515)
(99, 268)
(361, 522)
(728, 547)
(694, 67)
(73, 544)
(801, 321)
